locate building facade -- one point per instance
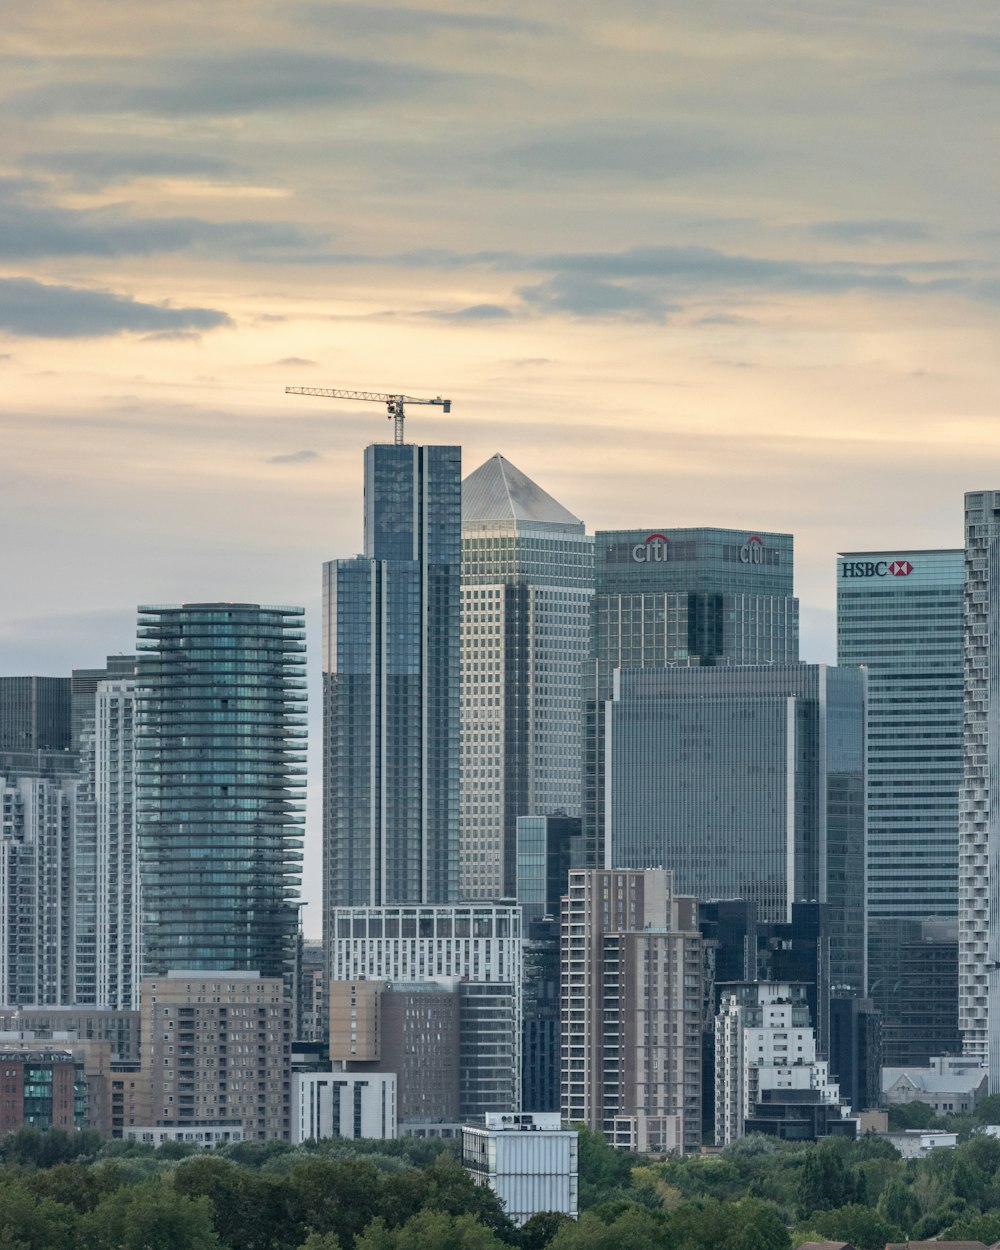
(219, 742)
(679, 597)
(749, 781)
(391, 688)
(527, 585)
(978, 823)
(38, 853)
(767, 1076)
(35, 714)
(216, 1051)
(529, 1161)
(631, 1003)
(899, 613)
(475, 948)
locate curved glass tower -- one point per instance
(220, 768)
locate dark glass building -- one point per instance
(679, 598)
(748, 782)
(220, 766)
(391, 688)
(35, 714)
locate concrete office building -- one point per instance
(679, 597)
(391, 689)
(35, 714)
(216, 1050)
(899, 613)
(219, 744)
(38, 833)
(632, 970)
(748, 781)
(978, 824)
(529, 1161)
(527, 584)
(478, 947)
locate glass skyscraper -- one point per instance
(220, 766)
(899, 613)
(747, 782)
(527, 583)
(391, 688)
(680, 598)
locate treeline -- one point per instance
(62, 1191)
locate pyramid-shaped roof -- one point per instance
(499, 491)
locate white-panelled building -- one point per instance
(343, 1104)
(529, 1161)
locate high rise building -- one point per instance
(83, 685)
(477, 949)
(680, 598)
(632, 969)
(527, 584)
(749, 782)
(216, 1053)
(899, 613)
(767, 1076)
(35, 714)
(978, 825)
(38, 832)
(219, 738)
(391, 688)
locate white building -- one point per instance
(765, 1047)
(916, 1143)
(528, 1159)
(343, 1104)
(205, 1135)
(527, 586)
(978, 832)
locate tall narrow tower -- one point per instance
(391, 688)
(219, 739)
(527, 583)
(978, 809)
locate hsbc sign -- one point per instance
(876, 568)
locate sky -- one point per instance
(684, 264)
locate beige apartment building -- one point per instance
(216, 1051)
(630, 1009)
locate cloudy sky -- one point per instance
(684, 263)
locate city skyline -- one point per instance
(702, 255)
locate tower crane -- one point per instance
(395, 404)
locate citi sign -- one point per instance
(652, 551)
(876, 568)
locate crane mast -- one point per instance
(395, 404)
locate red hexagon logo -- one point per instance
(900, 568)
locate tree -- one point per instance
(31, 1223)
(151, 1216)
(429, 1230)
(984, 1228)
(541, 1228)
(861, 1226)
(321, 1241)
(824, 1182)
(250, 1211)
(632, 1228)
(601, 1167)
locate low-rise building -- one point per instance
(952, 1083)
(529, 1161)
(205, 1135)
(42, 1087)
(343, 1104)
(916, 1143)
